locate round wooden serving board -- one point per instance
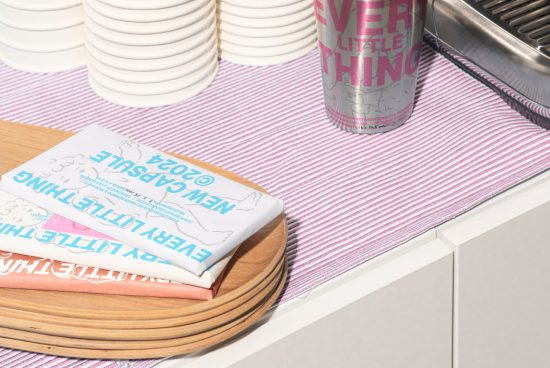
(253, 262)
(128, 327)
(26, 320)
(220, 336)
(48, 327)
(144, 342)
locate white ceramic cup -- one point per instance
(197, 9)
(41, 20)
(41, 5)
(43, 62)
(179, 47)
(152, 39)
(280, 11)
(155, 76)
(271, 22)
(266, 41)
(143, 4)
(155, 100)
(152, 64)
(264, 61)
(141, 15)
(265, 32)
(261, 3)
(157, 88)
(42, 41)
(270, 50)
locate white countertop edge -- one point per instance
(321, 302)
(497, 211)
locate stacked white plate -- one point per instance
(265, 32)
(42, 36)
(146, 53)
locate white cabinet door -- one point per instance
(392, 312)
(502, 280)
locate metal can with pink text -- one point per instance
(370, 51)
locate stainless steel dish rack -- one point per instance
(504, 43)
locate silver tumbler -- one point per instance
(370, 51)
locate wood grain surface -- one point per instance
(128, 327)
(33, 321)
(47, 327)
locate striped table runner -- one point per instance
(348, 197)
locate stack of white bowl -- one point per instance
(42, 36)
(265, 32)
(146, 53)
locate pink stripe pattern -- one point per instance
(348, 197)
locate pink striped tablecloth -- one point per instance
(348, 197)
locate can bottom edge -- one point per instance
(343, 122)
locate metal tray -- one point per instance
(504, 43)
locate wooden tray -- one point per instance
(48, 327)
(219, 338)
(144, 342)
(254, 261)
